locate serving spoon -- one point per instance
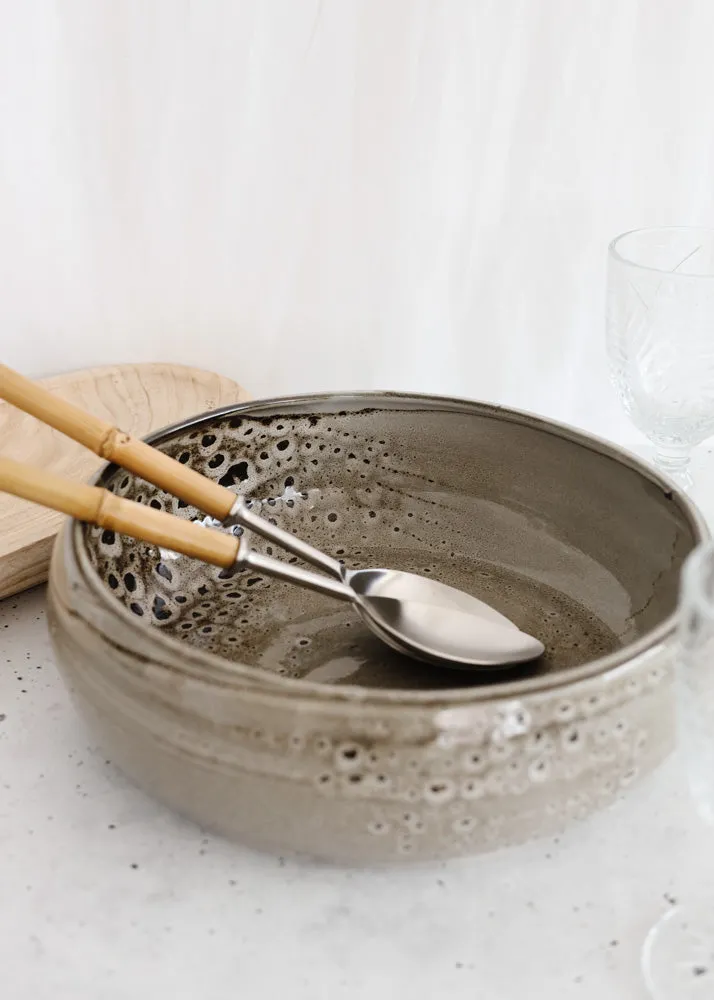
(440, 621)
(444, 635)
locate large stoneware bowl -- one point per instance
(270, 714)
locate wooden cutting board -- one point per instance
(137, 398)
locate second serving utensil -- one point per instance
(447, 636)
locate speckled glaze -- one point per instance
(270, 714)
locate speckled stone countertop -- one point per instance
(105, 895)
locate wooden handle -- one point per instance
(114, 445)
(98, 506)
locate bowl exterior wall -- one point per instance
(356, 781)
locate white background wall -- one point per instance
(317, 194)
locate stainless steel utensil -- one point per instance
(437, 633)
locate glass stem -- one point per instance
(674, 460)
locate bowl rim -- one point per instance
(360, 401)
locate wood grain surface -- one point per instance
(137, 398)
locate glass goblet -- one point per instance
(660, 338)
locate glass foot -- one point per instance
(678, 954)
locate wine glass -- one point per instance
(660, 338)
(678, 957)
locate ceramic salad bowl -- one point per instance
(271, 715)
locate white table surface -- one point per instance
(105, 895)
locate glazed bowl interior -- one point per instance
(578, 544)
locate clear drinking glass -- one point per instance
(660, 338)
(679, 952)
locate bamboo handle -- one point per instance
(114, 445)
(98, 506)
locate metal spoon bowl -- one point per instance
(447, 635)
